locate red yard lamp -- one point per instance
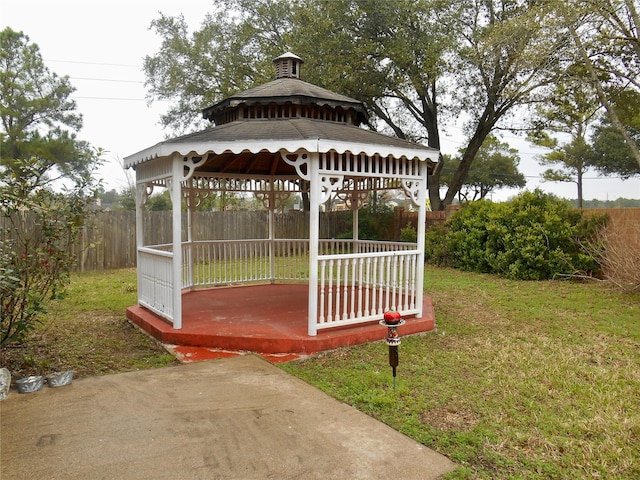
(392, 320)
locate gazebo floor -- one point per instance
(270, 320)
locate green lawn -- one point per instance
(520, 380)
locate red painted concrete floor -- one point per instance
(270, 320)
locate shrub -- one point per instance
(409, 234)
(436, 250)
(469, 234)
(532, 237)
(35, 259)
(375, 222)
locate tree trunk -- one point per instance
(613, 116)
(485, 124)
(434, 186)
(579, 188)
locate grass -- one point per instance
(520, 380)
(88, 332)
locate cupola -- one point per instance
(287, 97)
(288, 65)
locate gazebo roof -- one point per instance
(288, 90)
(286, 114)
(291, 134)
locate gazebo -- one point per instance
(284, 137)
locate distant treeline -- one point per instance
(619, 203)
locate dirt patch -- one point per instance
(448, 419)
(90, 344)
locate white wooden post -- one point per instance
(356, 233)
(314, 239)
(190, 208)
(176, 190)
(272, 206)
(422, 219)
(140, 188)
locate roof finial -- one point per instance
(288, 65)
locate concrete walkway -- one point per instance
(237, 418)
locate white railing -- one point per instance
(337, 246)
(210, 263)
(358, 280)
(155, 281)
(357, 288)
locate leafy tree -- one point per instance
(495, 167)
(38, 225)
(411, 62)
(160, 201)
(508, 51)
(612, 155)
(127, 198)
(38, 118)
(231, 52)
(573, 159)
(606, 37)
(570, 110)
(109, 197)
(618, 203)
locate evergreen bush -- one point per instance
(408, 234)
(535, 236)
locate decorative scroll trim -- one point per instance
(412, 190)
(354, 200)
(143, 192)
(190, 164)
(301, 162)
(273, 200)
(329, 184)
(195, 196)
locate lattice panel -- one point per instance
(246, 184)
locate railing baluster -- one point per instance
(394, 282)
(235, 263)
(330, 300)
(414, 268)
(387, 283)
(321, 318)
(227, 266)
(369, 284)
(379, 283)
(407, 268)
(360, 280)
(345, 290)
(338, 286)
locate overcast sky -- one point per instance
(101, 46)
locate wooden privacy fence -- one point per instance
(624, 221)
(109, 239)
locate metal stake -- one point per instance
(392, 321)
(393, 361)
